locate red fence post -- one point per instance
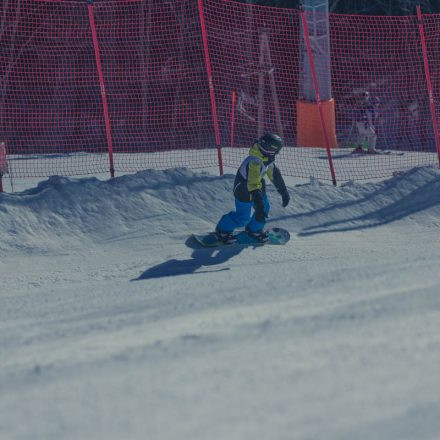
(318, 96)
(102, 87)
(211, 86)
(428, 81)
(3, 164)
(234, 94)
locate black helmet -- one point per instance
(270, 144)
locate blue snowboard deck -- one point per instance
(277, 236)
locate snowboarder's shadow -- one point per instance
(200, 257)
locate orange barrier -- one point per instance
(309, 132)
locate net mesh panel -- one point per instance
(432, 36)
(51, 110)
(155, 81)
(155, 77)
(254, 51)
(381, 56)
(49, 91)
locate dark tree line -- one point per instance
(370, 7)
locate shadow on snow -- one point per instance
(376, 207)
(200, 258)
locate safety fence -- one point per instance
(124, 85)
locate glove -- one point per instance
(257, 198)
(285, 197)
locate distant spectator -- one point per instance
(365, 115)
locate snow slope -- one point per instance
(114, 325)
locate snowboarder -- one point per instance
(365, 116)
(250, 191)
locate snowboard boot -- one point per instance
(225, 237)
(358, 149)
(261, 236)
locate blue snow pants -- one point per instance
(242, 217)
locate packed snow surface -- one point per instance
(114, 325)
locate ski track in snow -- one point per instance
(114, 325)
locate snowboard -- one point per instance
(378, 152)
(277, 236)
(354, 154)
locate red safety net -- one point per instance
(145, 76)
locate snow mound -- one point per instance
(413, 197)
(63, 213)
